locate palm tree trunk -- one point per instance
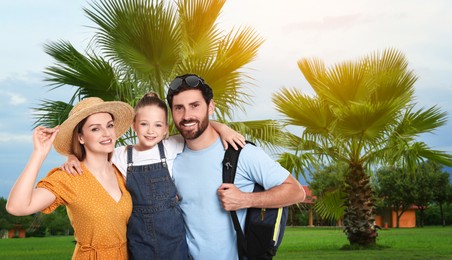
(359, 215)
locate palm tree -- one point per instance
(363, 113)
(141, 45)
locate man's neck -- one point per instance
(203, 141)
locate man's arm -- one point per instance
(285, 194)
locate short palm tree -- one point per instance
(141, 45)
(363, 113)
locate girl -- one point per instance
(98, 203)
(156, 227)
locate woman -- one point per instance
(98, 203)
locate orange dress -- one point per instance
(99, 222)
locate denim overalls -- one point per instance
(156, 227)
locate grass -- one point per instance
(326, 243)
(299, 243)
(37, 248)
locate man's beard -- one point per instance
(196, 132)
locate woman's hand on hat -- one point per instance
(72, 165)
(43, 139)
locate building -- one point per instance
(17, 231)
(386, 218)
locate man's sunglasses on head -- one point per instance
(191, 81)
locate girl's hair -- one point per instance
(77, 148)
(151, 99)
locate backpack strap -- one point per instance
(230, 162)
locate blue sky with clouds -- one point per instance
(293, 29)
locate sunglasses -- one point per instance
(191, 81)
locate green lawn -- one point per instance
(299, 243)
(326, 243)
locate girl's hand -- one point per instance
(233, 138)
(228, 135)
(72, 165)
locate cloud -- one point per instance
(14, 138)
(16, 100)
(328, 23)
(13, 98)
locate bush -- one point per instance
(432, 215)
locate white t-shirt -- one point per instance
(172, 146)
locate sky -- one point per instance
(334, 31)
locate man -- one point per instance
(197, 172)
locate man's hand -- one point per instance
(231, 198)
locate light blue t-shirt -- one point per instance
(197, 175)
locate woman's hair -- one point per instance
(151, 99)
(77, 148)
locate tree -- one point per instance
(8, 221)
(442, 192)
(141, 45)
(363, 114)
(57, 223)
(427, 175)
(397, 189)
(5, 218)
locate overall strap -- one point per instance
(129, 155)
(162, 154)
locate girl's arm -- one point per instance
(72, 165)
(24, 199)
(228, 135)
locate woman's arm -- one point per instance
(228, 135)
(24, 199)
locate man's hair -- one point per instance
(205, 89)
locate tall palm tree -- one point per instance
(141, 45)
(363, 113)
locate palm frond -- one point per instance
(127, 35)
(331, 205)
(91, 74)
(266, 133)
(51, 113)
(421, 121)
(298, 165)
(366, 120)
(198, 27)
(223, 71)
(301, 110)
(314, 70)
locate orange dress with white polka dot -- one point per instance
(99, 222)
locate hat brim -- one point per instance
(121, 111)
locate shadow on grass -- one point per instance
(361, 247)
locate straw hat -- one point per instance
(122, 113)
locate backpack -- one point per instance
(264, 228)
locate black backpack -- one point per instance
(264, 228)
